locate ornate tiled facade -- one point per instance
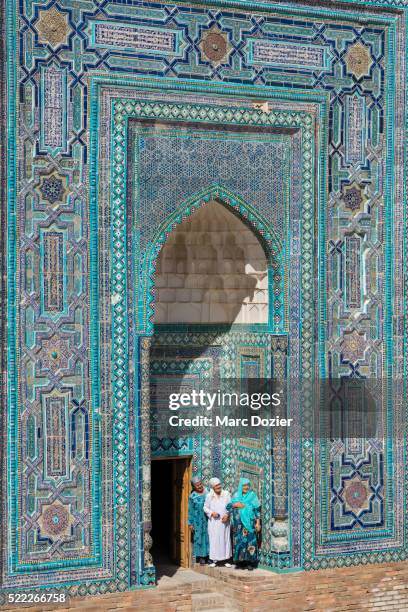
(121, 119)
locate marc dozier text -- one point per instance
(237, 406)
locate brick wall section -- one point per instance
(376, 588)
(163, 599)
(379, 588)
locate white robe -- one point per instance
(219, 533)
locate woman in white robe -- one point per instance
(219, 528)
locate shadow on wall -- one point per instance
(212, 269)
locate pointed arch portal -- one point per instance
(215, 299)
(186, 330)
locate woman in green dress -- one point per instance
(197, 520)
(246, 524)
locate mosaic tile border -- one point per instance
(283, 115)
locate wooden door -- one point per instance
(181, 535)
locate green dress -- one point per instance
(245, 542)
(245, 538)
(198, 519)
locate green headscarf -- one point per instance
(251, 503)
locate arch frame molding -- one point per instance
(304, 114)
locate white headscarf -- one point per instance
(214, 482)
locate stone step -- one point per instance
(202, 586)
(208, 601)
(197, 581)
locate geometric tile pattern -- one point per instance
(280, 69)
(281, 119)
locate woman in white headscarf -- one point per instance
(219, 529)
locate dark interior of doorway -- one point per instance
(162, 512)
(170, 492)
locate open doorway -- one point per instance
(170, 491)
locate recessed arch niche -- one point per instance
(211, 273)
(212, 269)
